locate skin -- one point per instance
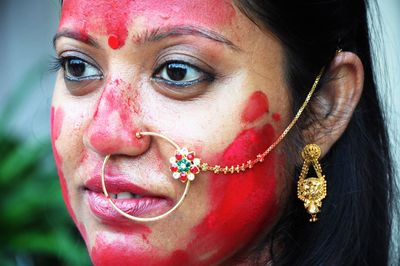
(256, 106)
(227, 121)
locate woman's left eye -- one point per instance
(180, 74)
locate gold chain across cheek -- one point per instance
(184, 165)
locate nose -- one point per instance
(115, 122)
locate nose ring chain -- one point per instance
(184, 165)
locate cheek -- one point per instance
(241, 205)
(276, 117)
(257, 105)
(56, 123)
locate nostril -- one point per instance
(121, 141)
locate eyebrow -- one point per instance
(87, 39)
(154, 35)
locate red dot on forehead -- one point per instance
(114, 42)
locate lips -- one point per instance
(127, 196)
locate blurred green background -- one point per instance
(35, 228)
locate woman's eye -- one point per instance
(76, 69)
(180, 74)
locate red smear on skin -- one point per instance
(241, 205)
(257, 105)
(112, 18)
(110, 253)
(56, 121)
(84, 156)
(114, 42)
(82, 230)
(113, 126)
(276, 117)
(98, 16)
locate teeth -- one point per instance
(127, 195)
(124, 195)
(112, 195)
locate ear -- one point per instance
(336, 101)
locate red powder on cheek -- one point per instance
(276, 117)
(82, 230)
(56, 121)
(240, 204)
(256, 106)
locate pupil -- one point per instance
(176, 72)
(76, 67)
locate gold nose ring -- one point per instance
(184, 166)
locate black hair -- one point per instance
(354, 227)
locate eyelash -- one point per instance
(60, 63)
(206, 76)
(55, 64)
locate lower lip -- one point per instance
(143, 207)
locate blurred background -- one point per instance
(35, 228)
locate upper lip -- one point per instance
(115, 185)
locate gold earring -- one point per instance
(311, 190)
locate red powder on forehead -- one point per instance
(240, 204)
(257, 105)
(98, 16)
(113, 17)
(56, 121)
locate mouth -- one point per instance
(127, 196)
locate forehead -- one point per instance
(111, 15)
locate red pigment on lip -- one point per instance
(112, 18)
(276, 117)
(56, 121)
(256, 106)
(242, 204)
(113, 126)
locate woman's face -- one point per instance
(199, 72)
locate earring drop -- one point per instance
(311, 190)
